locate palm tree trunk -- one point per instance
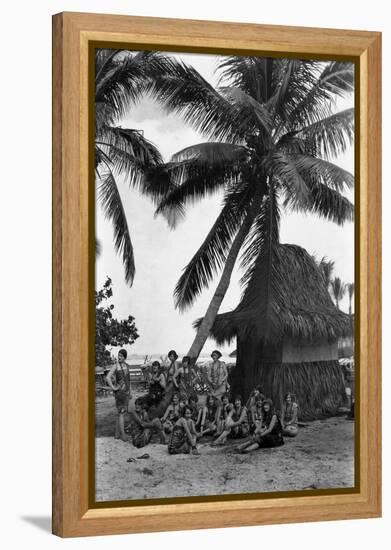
(222, 287)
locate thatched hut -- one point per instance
(287, 331)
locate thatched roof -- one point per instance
(296, 304)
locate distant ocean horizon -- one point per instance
(140, 358)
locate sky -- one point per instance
(161, 253)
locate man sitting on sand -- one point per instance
(118, 379)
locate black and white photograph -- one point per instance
(224, 275)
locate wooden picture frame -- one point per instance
(73, 33)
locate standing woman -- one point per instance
(172, 371)
(289, 420)
(184, 376)
(118, 378)
(269, 434)
(217, 375)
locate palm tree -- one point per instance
(273, 130)
(338, 290)
(327, 268)
(120, 81)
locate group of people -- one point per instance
(181, 422)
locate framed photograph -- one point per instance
(216, 274)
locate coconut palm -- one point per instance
(273, 131)
(326, 268)
(338, 290)
(120, 81)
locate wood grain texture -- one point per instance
(72, 34)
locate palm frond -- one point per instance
(158, 184)
(316, 170)
(212, 152)
(196, 179)
(211, 255)
(293, 80)
(328, 204)
(284, 169)
(104, 61)
(335, 79)
(128, 79)
(329, 136)
(252, 75)
(326, 268)
(185, 92)
(129, 151)
(110, 199)
(254, 113)
(338, 289)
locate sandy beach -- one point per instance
(320, 457)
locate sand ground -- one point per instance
(321, 456)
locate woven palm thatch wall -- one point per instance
(295, 351)
(318, 386)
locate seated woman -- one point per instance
(172, 414)
(209, 416)
(183, 439)
(197, 411)
(236, 425)
(141, 427)
(289, 420)
(223, 411)
(255, 415)
(157, 384)
(253, 396)
(269, 434)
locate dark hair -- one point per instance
(226, 394)
(186, 408)
(193, 397)
(293, 397)
(260, 398)
(216, 351)
(238, 397)
(174, 353)
(175, 394)
(270, 413)
(156, 364)
(123, 352)
(186, 359)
